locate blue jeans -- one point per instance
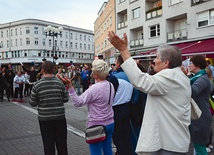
(77, 85)
(105, 146)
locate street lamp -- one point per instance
(53, 32)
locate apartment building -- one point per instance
(105, 22)
(188, 24)
(25, 41)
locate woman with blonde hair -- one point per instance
(98, 98)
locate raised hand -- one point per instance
(65, 80)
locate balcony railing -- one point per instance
(177, 35)
(136, 43)
(154, 13)
(122, 25)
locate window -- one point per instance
(110, 21)
(20, 41)
(36, 30)
(80, 45)
(171, 2)
(43, 41)
(66, 35)
(76, 37)
(71, 35)
(120, 1)
(7, 33)
(155, 31)
(27, 30)
(11, 32)
(80, 37)
(2, 34)
(49, 42)
(84, 46)
(16, 33)
(76, 45)
(1, 46)
(66, 44)
(71, 44)
(84, 37)
(136, 13)
(7, 43)
(16, 42)
(89, 38)
(20, 31)
(27, 41)
(89, 47)
(55, 42)
(11, 42)
(36, 41)
(60, 43)
(206, 18)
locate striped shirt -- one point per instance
(49, 94)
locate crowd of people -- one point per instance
(145, 112)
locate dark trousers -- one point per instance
(26, 90)
(122, 129)
(85, 85)
(6, 88)
(11, 93)
(19, 90)
(54, 133)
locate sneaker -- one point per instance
(208, 149)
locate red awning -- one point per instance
(191, 48)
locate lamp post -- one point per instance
(53, 32)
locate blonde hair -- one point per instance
(100, 68)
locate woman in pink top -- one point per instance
(98, 98)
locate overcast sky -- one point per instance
(77, 13)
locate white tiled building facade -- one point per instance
(149, 23)
(25, 41)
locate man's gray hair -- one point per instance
(170, 53)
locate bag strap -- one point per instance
(110, 94)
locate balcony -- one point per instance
(177, 35)
(122, 25)
(196, 2)
(154, 13)
(136, 43)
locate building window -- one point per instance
(11, 32)
(60, 43)
(120, 1)
(7, 33)
(76, 45)
(20, 31)
(36, 41)
(16, 32)
(80, 37)
(20, 41)
(155, 31)
(66, 35)
(76, 37)
(80, 45)
(71, 44)
(206, 18)
(171, 2)
(49, 42)
(84, 37)
(110, 21)
(84, 46)
(136, 13)
(43, 41)
(71, 35)
(55, 43)
(36, 29)
(27, 30)
(16, 42)
(27, 41)
(2, 34)
(11, 43)
(89, 38)
(66, 44)
(1, 46)
(7, 43)
(89, 47)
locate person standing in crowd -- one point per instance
(76, 80)
(201, 88)
(19, 82)
(26, 89)
(60, 73)
(167, 111)
(121, 107)
(208, 64)
(32, 73)
(98, 98)
(49, 95)
(11, 75)
(85, 75)
(5, 84)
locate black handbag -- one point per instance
(97, 133)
